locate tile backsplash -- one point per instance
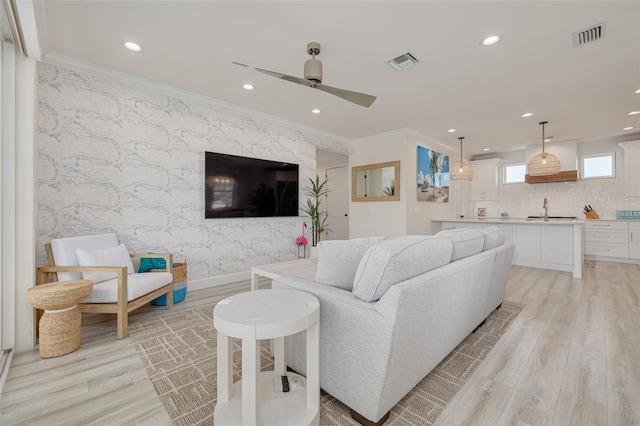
(564, 198)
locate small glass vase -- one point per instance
(302, 251)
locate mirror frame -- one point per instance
(356, 169)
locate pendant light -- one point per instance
(461, 171)
(544, 163)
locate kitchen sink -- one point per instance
(552, 217)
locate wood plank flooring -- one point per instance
(572, 357)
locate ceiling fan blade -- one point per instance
(278, 75)
(357, 98)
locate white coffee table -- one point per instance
(255, 316)
(303, 268)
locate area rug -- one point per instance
(179, 353)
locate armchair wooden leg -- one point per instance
(170, 298)
(122, 322)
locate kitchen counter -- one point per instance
(556, 244)
(513, 220)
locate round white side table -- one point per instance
(255, 316)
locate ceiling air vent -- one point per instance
(590, 34)
(404, 61)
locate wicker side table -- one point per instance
(60, 323)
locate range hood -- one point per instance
(561, 176)
(567, 153)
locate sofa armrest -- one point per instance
(354, 338)
(43, 272)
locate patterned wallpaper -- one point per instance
(115, 158)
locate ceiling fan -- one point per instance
(313, 78)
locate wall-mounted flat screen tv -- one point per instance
(248, 187)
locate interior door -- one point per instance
(337, 203)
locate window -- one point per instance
(513, 172)
(599, 166)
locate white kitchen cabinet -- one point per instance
(484, 185)
(634, 240)
(631, 170)
(606, 238)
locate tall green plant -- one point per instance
(315, 191)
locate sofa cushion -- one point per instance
(115, 256)
(466, 242)
(338, 260)
(493, 237)
(390, 262)
(64, 251)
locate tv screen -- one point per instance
(248, 187)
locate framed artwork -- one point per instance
(433, 176)
(482, 213)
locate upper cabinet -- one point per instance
(484, 185)
(631, 170)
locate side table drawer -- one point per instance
(606, 236)
(605, 249)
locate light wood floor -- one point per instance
(572, 357)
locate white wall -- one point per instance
(373, 218)
(567, 198)
(420, 213)
(408, 215)
(117, 158)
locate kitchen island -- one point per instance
(556, 244)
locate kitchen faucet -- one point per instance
(545, 206)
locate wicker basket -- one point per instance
(179, 291)
(179, 271)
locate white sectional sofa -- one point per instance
(391, 310)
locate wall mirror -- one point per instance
(376, 182)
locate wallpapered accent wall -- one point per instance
(115, 158)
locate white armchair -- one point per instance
(117, 288)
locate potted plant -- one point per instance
(315, 191)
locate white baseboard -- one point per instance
(218, 281)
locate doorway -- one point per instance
(335, 168)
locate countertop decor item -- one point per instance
(461, 171)
(590, 213)
(543, 163)
(628, 214)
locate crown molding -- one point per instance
(409, 133)
(142, 83)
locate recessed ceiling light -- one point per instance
(248, 86)
(315, 111)
(451, 130)
(634, 112)
(133, 46)
(485, 149)
(637, 91)
(490, 40)
(628, 128)
(526, 114)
